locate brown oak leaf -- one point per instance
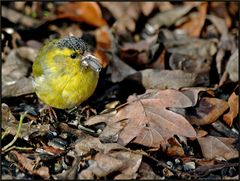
(147, 120)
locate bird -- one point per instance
(65, 73)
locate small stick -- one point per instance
(17, 134)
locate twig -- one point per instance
(17, 134)
(5, 133)
(18, 148)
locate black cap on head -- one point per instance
(73, 43)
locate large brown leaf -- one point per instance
(147, 120)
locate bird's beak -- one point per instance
(91, 61)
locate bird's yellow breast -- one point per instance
(60, 81)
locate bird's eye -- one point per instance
(73, 56)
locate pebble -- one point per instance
(189, 166)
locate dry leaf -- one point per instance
(27, 53)
(136, 54)
(148, 122)
(213, 147)
(16, 17)
(102, 56)
(127, 22)
(69, 174)
(174, 148)
(232, 67)
(104, 37)
(145, 172)
(163, 79)
(147, 7)
(166, 18)
(164, 6)
(103, 165)
(117, 9)
(219, 8)
(125, 162)
(159, 63)
(10, 123)
(190, 54)
(194, 26)
(219, 23)
(227, 41)
(119, 69)
(208, 111)
(140, 46)
(52, 150)
(20, 87)
(104, 42)
(87, 12)
(14, 68)
(30, 166)
(83, 146)
(193, 93)
(233, 112)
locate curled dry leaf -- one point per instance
(208, 111)
(30, 166)
(213, 147)
(148, 121)
(163, 79)
(87, 12)
(233, 112)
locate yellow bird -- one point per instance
(64, 73)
